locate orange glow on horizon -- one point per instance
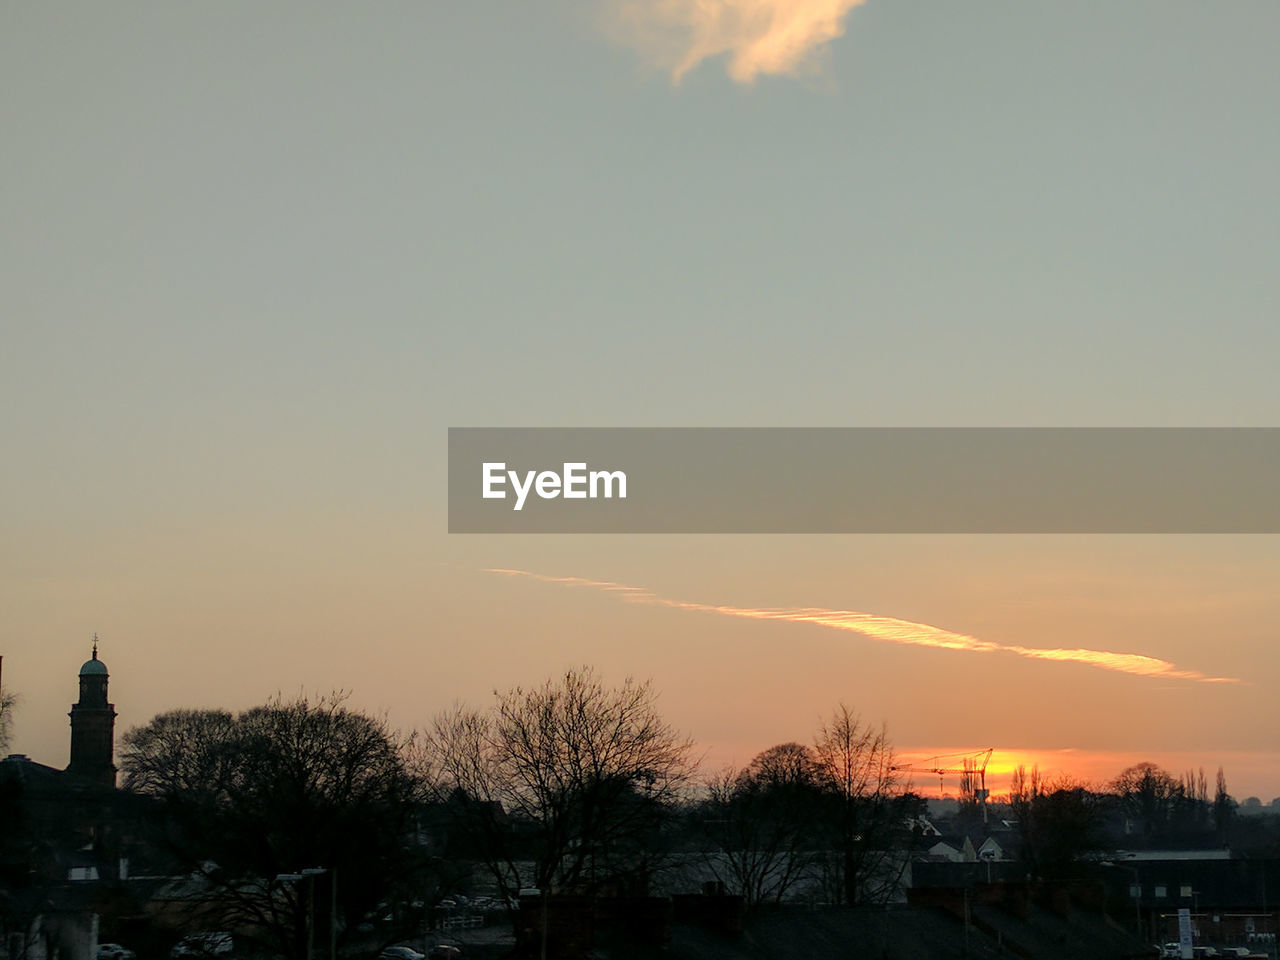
(1092, 769)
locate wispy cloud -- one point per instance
(756, 36)
(891, 630)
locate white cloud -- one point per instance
(893, 630)
(756, 36)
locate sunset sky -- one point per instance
(258, 258)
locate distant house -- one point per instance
(946, 851)
(962, 849)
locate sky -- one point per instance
(257, 260)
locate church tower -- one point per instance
(93, 725)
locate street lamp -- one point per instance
(314, 872)
(295, 878)
(1136, 890)
(309, 874)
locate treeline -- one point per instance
(578, 787)
(1060, 821)
(571, 787)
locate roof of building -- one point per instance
(1211, 853)
(35, 776)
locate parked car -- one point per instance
(212, 944)
(400, 953)
(113, 951)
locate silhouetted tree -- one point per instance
(833, 814)
(768, 822)
(185, 756)
(1060, 823)
(1255, 836)
(1224, 808)
(1147, 793)
(7, 703)
(276, 789)
(576, 775)
(870, 814)
(1189, 811)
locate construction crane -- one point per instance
(972, 770)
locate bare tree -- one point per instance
(1224, 807)
(250, 799)
(871, 813)
(1024, 788)
(181, 754)
(834, 813)
(766, 824)
(459, 762)
(1060, 822)
(1147, 793)
(1188, 807)
(578, 775)
(7, 703)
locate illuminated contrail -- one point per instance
(891, 630)
(757, 36)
